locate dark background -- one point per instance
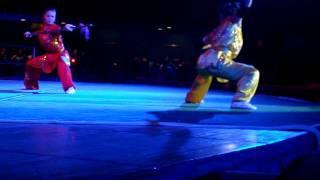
(281, 38)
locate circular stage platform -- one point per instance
(114, 130)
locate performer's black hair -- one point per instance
(229, 8)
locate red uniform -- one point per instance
(50, 39)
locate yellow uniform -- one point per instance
(225, 43)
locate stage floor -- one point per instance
(116, 130)
(114, 103)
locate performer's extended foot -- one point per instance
(31, 88)
(189, 102)
(242, 105)
(71, 90)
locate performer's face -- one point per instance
(49, 17)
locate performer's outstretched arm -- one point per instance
(84, 30)
(248, 3)
(67, 27)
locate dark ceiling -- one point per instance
(187, 12)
